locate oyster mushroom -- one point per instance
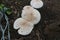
(24, 27)
(36, 3)
(30, 14)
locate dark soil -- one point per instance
(47, 29)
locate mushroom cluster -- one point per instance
(29, 18)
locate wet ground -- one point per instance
(47, 29)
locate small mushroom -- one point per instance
(36, 3)
(24, 27)
(30, 14)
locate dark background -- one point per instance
(47, 29)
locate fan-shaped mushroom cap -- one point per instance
(26, 30)
(16, 23)
(24, 27)
(30, 14)
(36, 3)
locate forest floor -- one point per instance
(49, 26)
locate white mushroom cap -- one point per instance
(30, 14)
(24, 27)
(26, 30)
(36, 3)
(28, 9)
(16, 23)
